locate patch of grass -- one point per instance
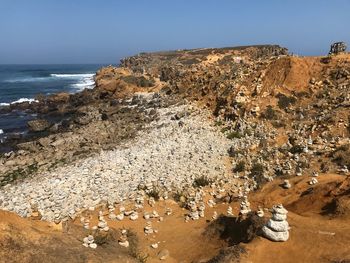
(302, 94)
(218, 123)
(278, 124)
(155, 194)
(190, 61)
(224, 129)
(226, 60)
(239, 167)
(257, 172)
(101, 237)
(341, 155)
(234, 135)
(57, 163)
(139, 81)
(201, 181)
(19, 173)
(234, 153)
(296, 149)
(269, 113)
(284, 101)
(180, 198)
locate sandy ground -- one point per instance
(313, 237)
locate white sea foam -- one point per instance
(30, 79)
(52, 76)
(72, 76)
(1, 131)
(82, 81)
(87, 82)
(21, 100)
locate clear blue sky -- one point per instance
(103, 31)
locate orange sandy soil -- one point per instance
(313, 237)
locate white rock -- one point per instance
(124, 243)
(275, 236)
(134, 216)
(155, 245)
(93, 245)
(286, 184)
(279, 226)
(120, 217)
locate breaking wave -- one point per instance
(21, 100)
(73, 76)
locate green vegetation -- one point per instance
(139, 81)
(190, 61)
(341, 155)
(296, 149)
(201, 181)
(284, 101)
(224, 129)
(155, 194)
(218, 123)
(278, 124)
(239, 167)
(19, 173)
(180, 198)
(257, 172)
(234, 135)
(269, 113)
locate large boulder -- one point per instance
(38, 125)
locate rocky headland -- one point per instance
(179, 156)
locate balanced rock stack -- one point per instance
(277, 228)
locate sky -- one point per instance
(104, 31)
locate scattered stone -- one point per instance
(89, 181)
(120, 217)
(245, 206)
(93, 245)
(313, 181)
(260, 212)
(168, 211)
(155, 245)
(89, 242)
(148, 228)
(229, 211)
(134, 216)
(286, 184)
(163, 254)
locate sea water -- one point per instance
(20, 83)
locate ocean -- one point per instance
(20, 83)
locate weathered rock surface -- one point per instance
(38, 125)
